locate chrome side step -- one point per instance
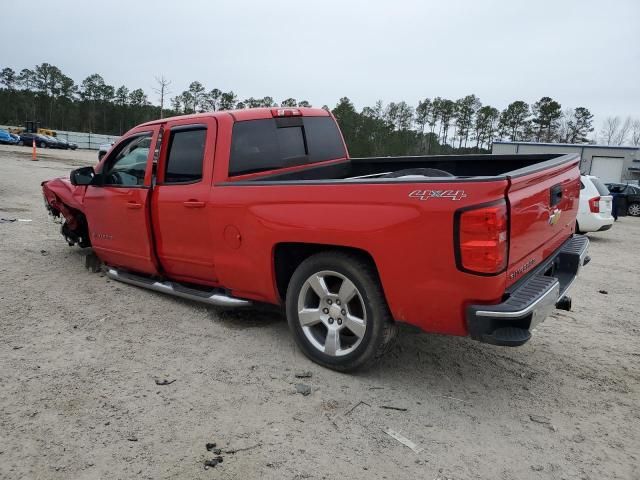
(211, 297)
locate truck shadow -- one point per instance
(258, 316)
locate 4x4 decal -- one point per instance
(427, 194)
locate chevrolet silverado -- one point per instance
(265, 205)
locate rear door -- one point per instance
(181, 213)
(117, 210)
(543, 205)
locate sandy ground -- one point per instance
(79, 356)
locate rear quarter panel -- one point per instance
(410, 240)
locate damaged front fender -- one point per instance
(63, 198)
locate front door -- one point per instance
(180, 206)
(117, 209)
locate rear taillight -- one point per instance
(594, 205)
(482, 241)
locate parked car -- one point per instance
(6, 138)
(53, 142)
(41, 140)
(65, 144)
(265, 205)
(630, 195)
(594, 212)
(103, 149)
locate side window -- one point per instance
(582, 187)
(185, 154)
(127, 166)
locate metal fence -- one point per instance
(90, 141)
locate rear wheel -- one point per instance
(21, 143)
(337, 311)
(634, 210)
(42, 145)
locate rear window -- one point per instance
(602, 190)
(269, 144)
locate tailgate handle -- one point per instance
(555, 195)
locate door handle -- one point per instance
(134, 205)
(193, 204)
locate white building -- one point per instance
(609, 163)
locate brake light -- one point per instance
(285, 112)
(482, 239)
(594, 205)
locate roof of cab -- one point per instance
(244, 114)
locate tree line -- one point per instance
(434, 126)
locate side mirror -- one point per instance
(82, 176)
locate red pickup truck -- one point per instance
(265, 205)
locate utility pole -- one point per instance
(162, 89)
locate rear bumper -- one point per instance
(531, 300)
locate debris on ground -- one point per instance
(303, 389)
(543, 421)
(355, 406)
(306, 374)
(211, 447)
(231, 451)
(11, 220)
(389, 407)
(90, 338)
(44, 253)
(603, 292)
(403, 440)
(132, 439)
(164, 382)
(212, 462)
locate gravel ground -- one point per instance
(80, 356)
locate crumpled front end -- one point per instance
(64, 203)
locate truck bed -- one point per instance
(461, 167)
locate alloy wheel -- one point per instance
(332, 313)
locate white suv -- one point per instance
(594, 212)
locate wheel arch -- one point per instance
(287, 256)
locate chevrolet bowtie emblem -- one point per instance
(555, 216)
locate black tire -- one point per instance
(21, 143)
(42, 145)
(380, 327)
(578, 228)
(634, 209)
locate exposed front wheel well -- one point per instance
(288, 256)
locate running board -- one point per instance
(211, 297)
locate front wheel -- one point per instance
(634, 210)
(43, 145)
(21, 143)
(337, 311)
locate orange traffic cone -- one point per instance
(33, 151)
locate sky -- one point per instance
(581, 53)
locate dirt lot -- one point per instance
(80, 354)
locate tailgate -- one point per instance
(543, 201)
